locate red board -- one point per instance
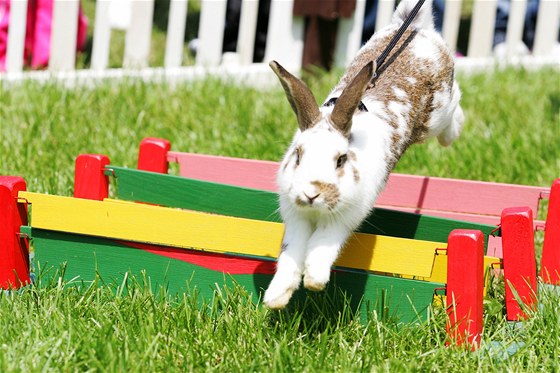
(465, 286)
(464, 196)
(550, 271)
(246, 173)
(14, 250)
(216, 262)
(153, 155)
(90, 181)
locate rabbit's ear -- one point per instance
(300, 97)
(350, 98)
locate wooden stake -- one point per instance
(520, 269)
(14, 250)
(550, 271)
(90, 181)
(465, 286)
(152, 155)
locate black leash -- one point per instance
(381, 59)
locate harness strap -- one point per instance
(381, 59)
(332, 101)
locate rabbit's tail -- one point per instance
(423, 20)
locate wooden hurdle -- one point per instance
(114, 237)
(148, 187)
(230, 232)
(61, 228)
(475, 201)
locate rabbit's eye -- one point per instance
(341, 160)
(298, 155)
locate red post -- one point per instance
(465, 286)
(90, 181)
(14, 250)
(520, 268)
(550, 263)
(152, 155)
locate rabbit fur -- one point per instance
(342, 153)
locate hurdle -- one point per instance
(224, 233)
(508, 207)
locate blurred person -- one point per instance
(38, 32)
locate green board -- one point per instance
(84, 256)
(175, 191)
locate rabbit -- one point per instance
(342, 153)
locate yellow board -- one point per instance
(439, 273)
(187, 229)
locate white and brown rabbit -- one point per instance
(343, 151)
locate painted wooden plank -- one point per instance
(389, 254)
(101, 36)
(451, 22)
(175, 40)
(211, 32)
(188, 229)
(546, 31)
(482, 28)
(419, 193)
(284, 39)
(405, 300)
(247, 30)
(516, 21)
(465, 196)
(465, 287)
(349, 35)
(385, 9)
(16, 36)
(173, 191)
(139, 34)
(439, 273)
(64, 35)
(248, 173)
(226, 263)
(550, 271)
(474, 218)
(14, 250)
(417, 226)
(152, 224)
(520, 268)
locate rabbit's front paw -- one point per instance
(277, 297)
(315, 277)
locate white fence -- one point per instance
(284, 38)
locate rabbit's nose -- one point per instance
(311, 198)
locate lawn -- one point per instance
(512, 134)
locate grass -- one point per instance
(511, 135)
(98, 328)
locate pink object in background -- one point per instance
(38, 32)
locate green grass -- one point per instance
(126, 328)
(511, 135)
